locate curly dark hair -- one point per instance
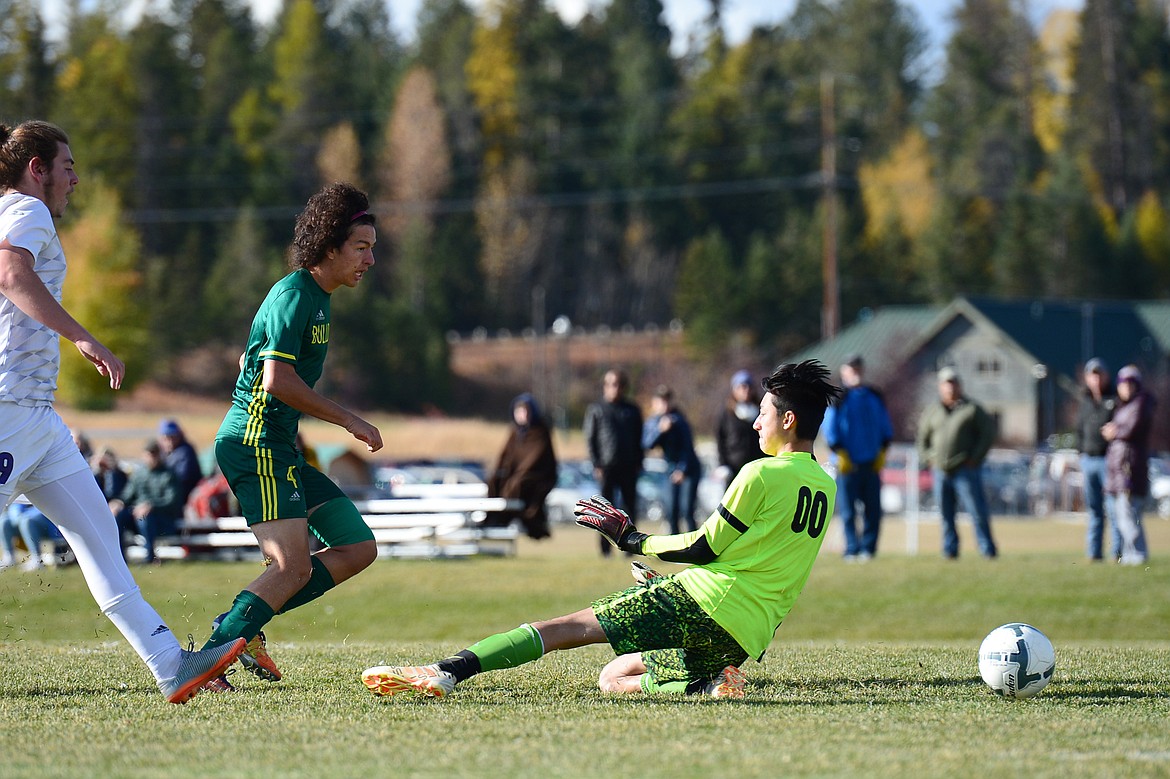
(328, 218)
(27, 141)
(805, 390)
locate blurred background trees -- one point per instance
(525, 168)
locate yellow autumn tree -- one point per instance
(493, 76)
(103, 291)
(899, 190)
(1153, 235)
(340, 156)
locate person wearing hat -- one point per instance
(180, 457)
(1097, 404)
(735, 438)
(954, 436)
(1127, 462)
(149, 504)
(858, 430)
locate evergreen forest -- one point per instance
(525, 168)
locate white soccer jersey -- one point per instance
(30, 353)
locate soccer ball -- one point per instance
(1016, 660)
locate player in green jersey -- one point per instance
(688, 632)
(282, 497)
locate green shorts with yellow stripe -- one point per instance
(677, 639)
(276, 483)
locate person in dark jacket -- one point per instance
(1097, 404)
(526, 469)
(150, 501)
(1127, 462)
(738, 443)
(110, 475)
(613, 433)
(180, 457)
(667, 428)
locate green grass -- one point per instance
(873, 674)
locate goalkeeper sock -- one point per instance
(651, 685)
(248, 615)
(503, 650)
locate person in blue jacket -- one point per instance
(858, 430)
(666, 428)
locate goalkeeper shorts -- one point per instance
(678, 640)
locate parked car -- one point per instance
(574, 482)
(1006, 477)
(896, 480)
(1160, 486)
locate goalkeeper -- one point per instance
(688, 632)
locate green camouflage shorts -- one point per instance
(678, 640)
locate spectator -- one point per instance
(858, 430)
(1127, 462)
(736, 439)
(82, 442)
(668, 429)
(150, 502)
(613, 433)
(526, 469)
(180, 457)
(954, 436)
(110, 475)
(1097, 404)
(25, 520)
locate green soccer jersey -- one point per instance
(766, 536)
(292, 325)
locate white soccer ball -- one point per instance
(1016, 660)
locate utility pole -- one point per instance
(831, 303)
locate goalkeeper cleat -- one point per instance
(425, 680)
(255, 657)
(728, 684)
(198, 668)
(644, 574)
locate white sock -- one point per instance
(77, 507)
(147, 633)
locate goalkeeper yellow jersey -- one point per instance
(766, 535)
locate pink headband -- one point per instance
(358, 215)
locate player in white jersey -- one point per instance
(38, 456)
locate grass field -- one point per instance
(873, 674)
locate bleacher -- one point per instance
(418, 520)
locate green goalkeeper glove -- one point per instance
(613, 523)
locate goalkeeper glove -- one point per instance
(844, 464)
(880, 462)
(613, 523)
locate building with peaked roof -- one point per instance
(1020, 359)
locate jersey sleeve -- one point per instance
(30, 228)
(285, 329)
(736, 512)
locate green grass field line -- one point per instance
(873, 674)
